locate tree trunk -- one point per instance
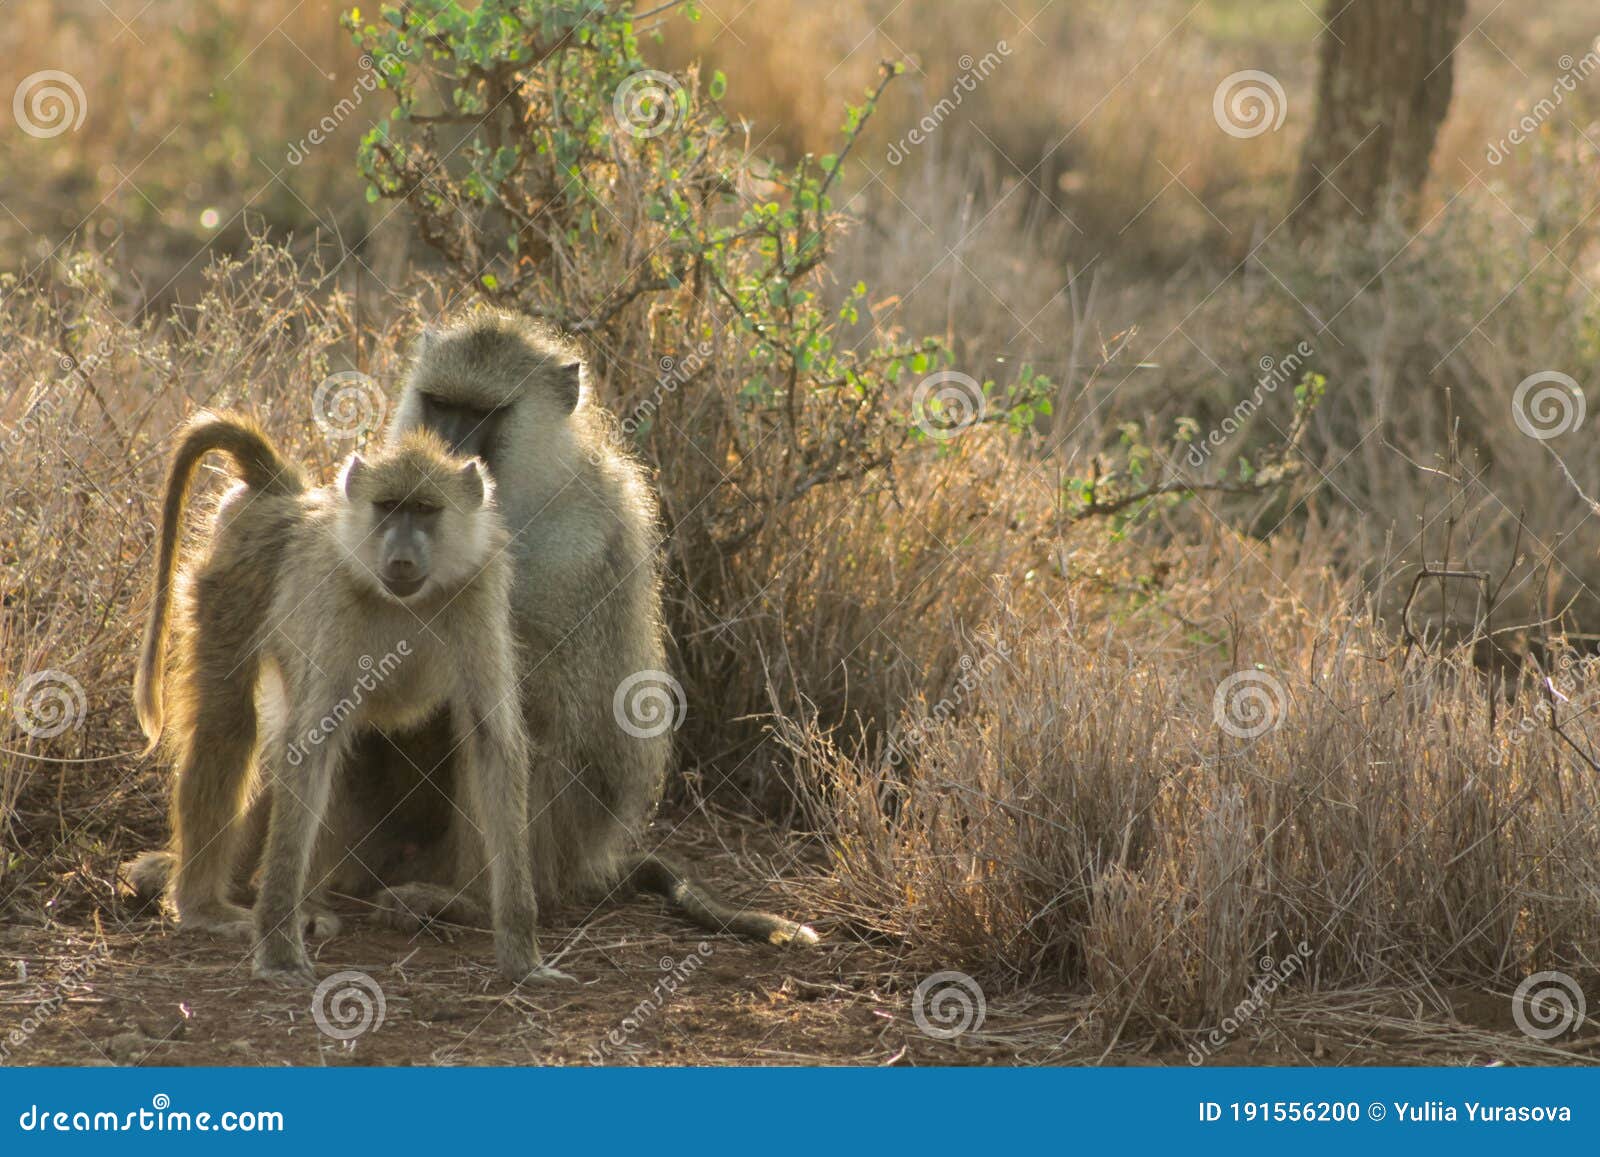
(1386, 71)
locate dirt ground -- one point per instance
(114, 987)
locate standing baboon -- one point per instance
(586, 604)
(299, 592)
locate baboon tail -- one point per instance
(664, 876)
(261, 468)
(148, 875)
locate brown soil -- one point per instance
(123, 987)
(138, 993)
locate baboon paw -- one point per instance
(225, 920)
(291, 972)
(539, 974)
(321, 925)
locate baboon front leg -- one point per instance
(494, 748)
(213, 777)
(302, 780)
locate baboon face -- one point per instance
(468, 429)
(405, 532)
(416, 515)
(490, 381)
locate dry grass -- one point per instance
(1080, 812)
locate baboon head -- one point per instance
(492, 381)
(417, 516)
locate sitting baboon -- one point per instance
(586, 604)
(371, 604)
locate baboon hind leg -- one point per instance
(208, 802)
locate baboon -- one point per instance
(586, 605)
(299, 591)
(586, 611)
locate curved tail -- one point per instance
(664, 876)
(261, 468)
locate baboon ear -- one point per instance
(353, 469)
(569, 384)
(474, 483)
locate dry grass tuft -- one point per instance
(1081, 812)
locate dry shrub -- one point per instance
(1080, 811)
(1423, 338)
